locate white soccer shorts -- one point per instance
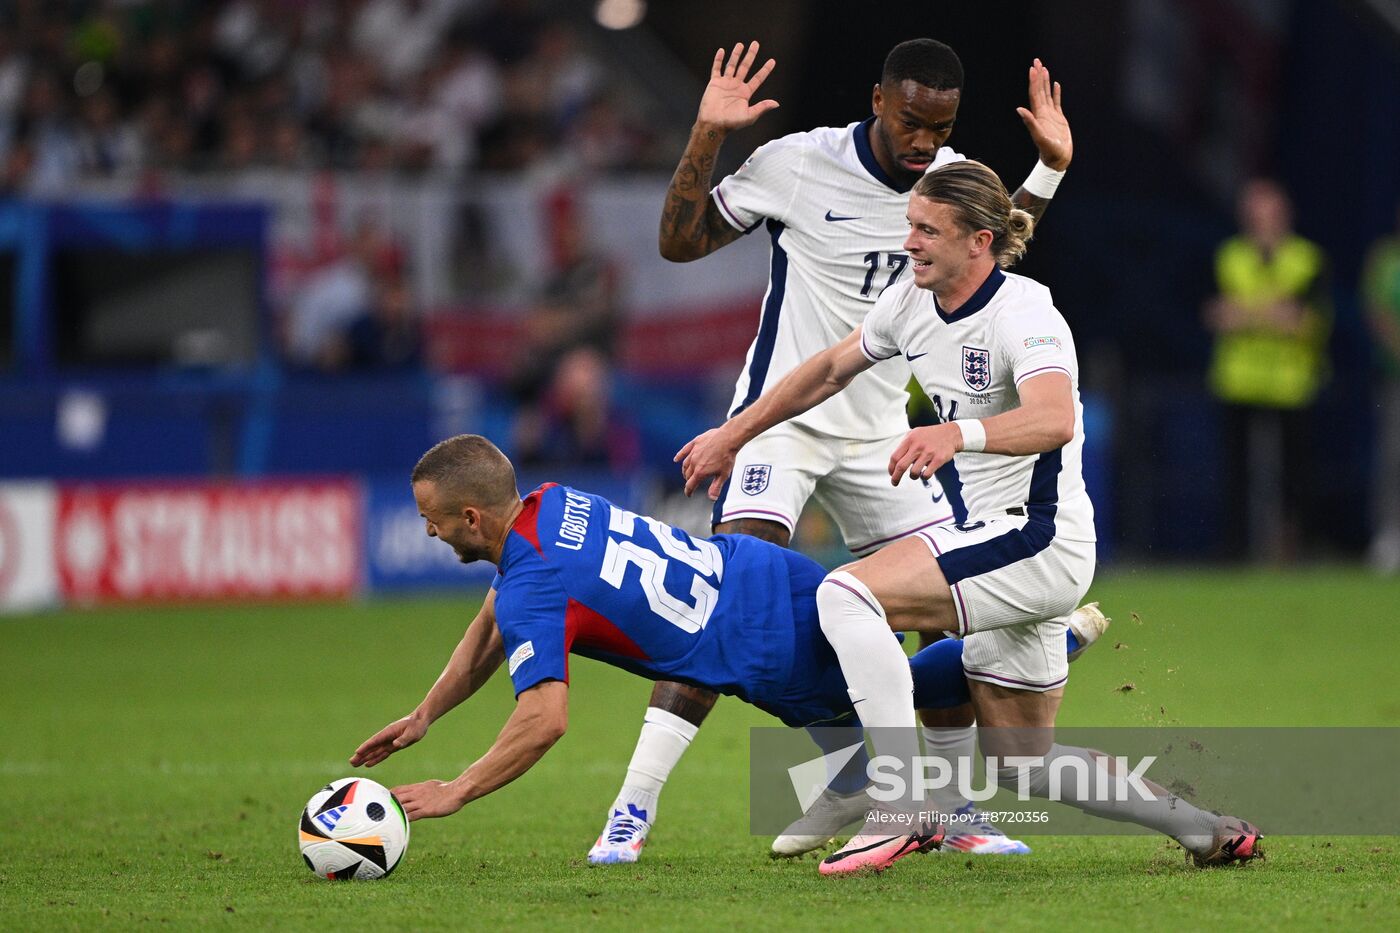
(1014, 586)
(778, 471)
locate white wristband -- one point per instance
(1043, 180)
(973, 434)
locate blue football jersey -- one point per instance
(580, 574)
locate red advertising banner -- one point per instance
(681, 341)
(191, 541)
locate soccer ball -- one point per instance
(353, 828)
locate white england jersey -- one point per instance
(837, 225)
(970, 363)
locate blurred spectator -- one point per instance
(338, 294)
(568, 347)
(385, 336)
(14, 76)
(254, 35)
(105, 145)
(1381, 290)
(15, 167)
(577, 424)
(1271, 320)
(401, 36)
(46, 124)
(427, 135)
(574, 77)
(603, 139)
(469, 85)
(577, 306)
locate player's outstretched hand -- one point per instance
(924, 450)
(1045, 120)
(709, 455)
(398, 734)
(428, 799)
(725, 104)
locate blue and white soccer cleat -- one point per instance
(1087, 624)
(972, 834)
(622, 838)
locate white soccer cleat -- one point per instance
(622, 838)
(1088, 624)
(828, 815)
(972, 834)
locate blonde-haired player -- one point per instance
(992, 346)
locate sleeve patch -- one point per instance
(1033, 342)
(525, 652)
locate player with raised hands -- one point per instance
(832, 202)
(998, 360)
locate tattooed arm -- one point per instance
(691, 224)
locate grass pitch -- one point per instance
(154, 761)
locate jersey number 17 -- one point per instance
(894, 261)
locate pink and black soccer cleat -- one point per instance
(876, 851)
(1235, 841)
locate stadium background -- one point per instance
(161, 294)
(184, 190)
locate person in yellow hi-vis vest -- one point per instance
(1271, 319)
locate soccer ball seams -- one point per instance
(343, 833)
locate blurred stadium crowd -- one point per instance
(133, 88)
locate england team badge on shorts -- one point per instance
(977, 368)
(755, 478)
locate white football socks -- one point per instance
(956, 745)
(1188, 824)
(664, 739)
(874, 665)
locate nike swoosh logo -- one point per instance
(837, 217)
(939, 498)
(914, 356)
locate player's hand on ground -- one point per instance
(428, 799)
(923, 451)
(1045, 120)
(396, 735)
(725, 104)
(709, 455)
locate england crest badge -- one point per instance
(977, 368)
(755, 478)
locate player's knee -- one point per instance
(772, 532)
(948, 717)
(842, 598)
(690, 703)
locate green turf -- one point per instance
(153, 763)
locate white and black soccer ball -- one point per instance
(353, 828)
